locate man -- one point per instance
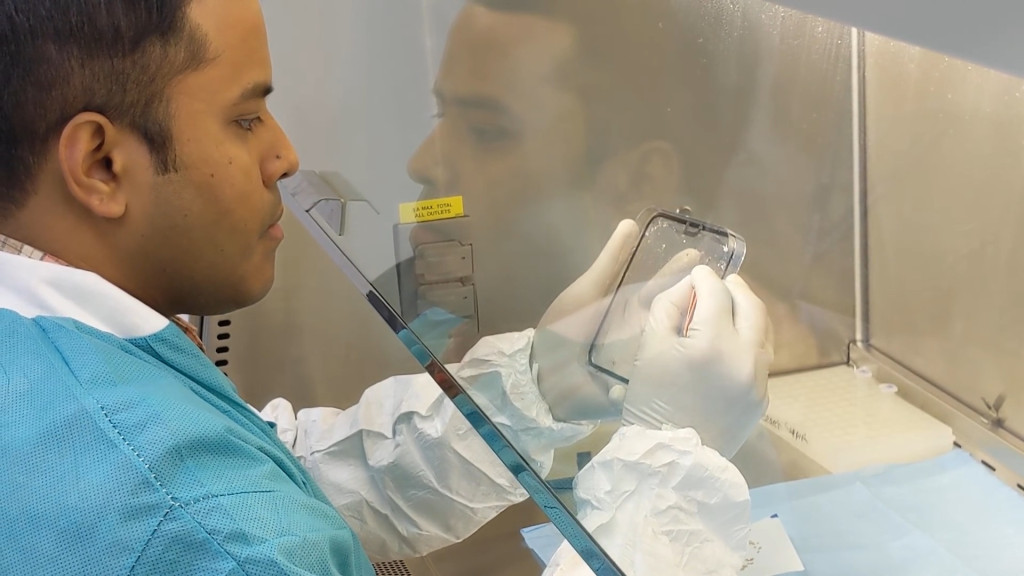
(563, 116)
(141, 168)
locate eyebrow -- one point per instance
(255, 91)
(479, 103)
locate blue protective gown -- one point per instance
(137, 456)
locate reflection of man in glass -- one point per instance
(557, 118)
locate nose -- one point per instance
(425, 167)
(283, 161)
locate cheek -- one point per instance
(503, 183)
(558, 144)
(527, 193)
(231, 195)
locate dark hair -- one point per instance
(63, 57)
(654, 69)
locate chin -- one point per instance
(250, 291)
(259, 289)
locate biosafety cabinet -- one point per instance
(464, 163)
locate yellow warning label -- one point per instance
(429, 210)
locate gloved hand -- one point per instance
(713, 378)
(573, 390)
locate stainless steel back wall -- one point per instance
(945, 147)
(787, 186)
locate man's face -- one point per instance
(211, 229)
(511, 139)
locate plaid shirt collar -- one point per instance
(12, 246)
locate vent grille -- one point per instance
(396, 568)
(217, 338)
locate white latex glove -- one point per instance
(561, 343)
(714, 378)
(573, 390)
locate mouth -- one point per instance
(275, 231)
(421, 235)
(277, 218)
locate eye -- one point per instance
(489, 134)
(249, 124)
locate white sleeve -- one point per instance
(501, 379)
(658, 501)
(404, 467)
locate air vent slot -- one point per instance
(397, 568)
(216, 334)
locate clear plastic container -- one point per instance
(671, 245)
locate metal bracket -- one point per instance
(325, 196)
(994, 419)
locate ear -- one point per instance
(647, 174)
(93, 154)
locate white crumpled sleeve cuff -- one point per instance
(281, 413)
(659, 502)
(406, 470)
(403, 467)
(498, 376)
